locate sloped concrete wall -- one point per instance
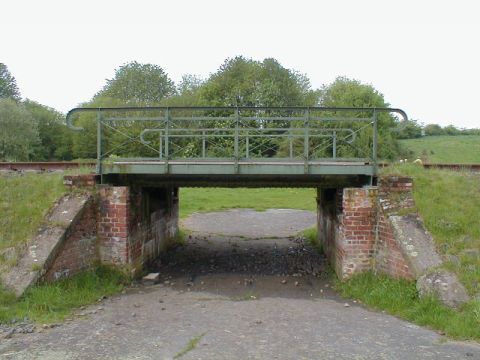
(378, 228)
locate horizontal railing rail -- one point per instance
(236, 133)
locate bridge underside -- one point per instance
(239, 173)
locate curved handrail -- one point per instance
(70, 124)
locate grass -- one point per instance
(462, 149)
(311, 235)
(25, 199)
(192, 344)
(214, 199)
(400, 298)
(449, 204)
(54, 302)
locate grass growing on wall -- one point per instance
(214, 199)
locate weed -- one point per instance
(311, 235)
(192, 344)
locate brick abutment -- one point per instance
(124, 226)
(355, 230)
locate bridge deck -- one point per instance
(241, 167)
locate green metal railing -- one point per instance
(238, 134)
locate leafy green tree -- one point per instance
(451, 130)
(8, 84)
(18, 132)
(246, 82)
(433, 130)
(187, 93)
(345, 92)
(138, 84)
(410, 130)
(55, 137)
(84, 143)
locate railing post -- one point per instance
(235, 150)
(375, 140)
(160, 144)
(306, 149)
(290, 140)
(334, 145)
(167, 126)
(99, 146)
(203, 145)
(247, 145)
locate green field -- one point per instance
(213, 199)
(461, 149)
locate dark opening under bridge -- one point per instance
(235, 146)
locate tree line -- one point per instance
(32, 131)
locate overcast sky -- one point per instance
(424, 56)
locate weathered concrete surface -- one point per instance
(251, 223)
(43, 248)
(416, 243)
(445, 286)
(225, 289)
(419, 250)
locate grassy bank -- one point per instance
(56, 301)
(462, 149)
(24, 201)
(449, 203)
(213, 199)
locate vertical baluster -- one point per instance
(203, 144)
(334, 145)
(99, 146)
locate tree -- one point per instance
(246, 82)
(345, 92)
(138, 84)
(8, 84)
(18, 132)
(433, 130)
(55, 137)
(410, 130)
(187, 92)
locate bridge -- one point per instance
(235, 146)
(144, 155)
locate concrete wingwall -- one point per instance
(125, 226)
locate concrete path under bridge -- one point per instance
(267, 303)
